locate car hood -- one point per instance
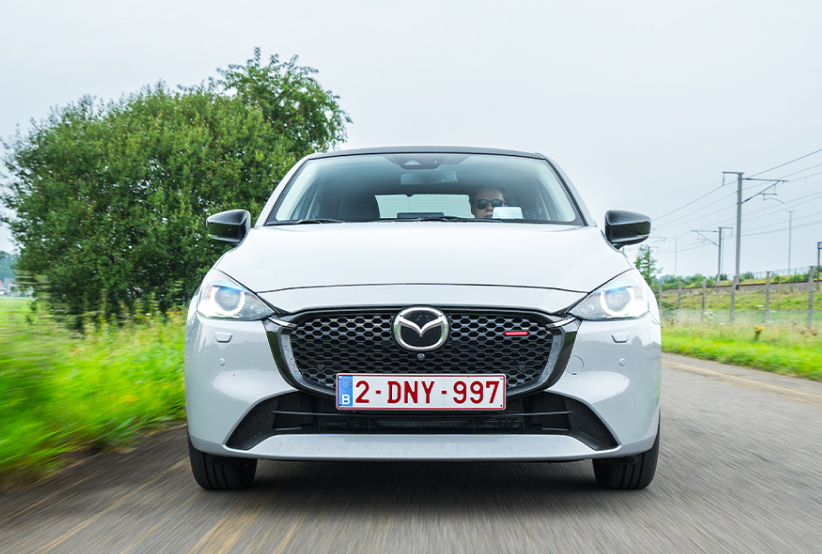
(504, 259)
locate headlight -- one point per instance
(624, 297)
(224, 298)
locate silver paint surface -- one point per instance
(543, 257)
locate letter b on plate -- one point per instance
(344, 390)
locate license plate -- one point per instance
(362, 391)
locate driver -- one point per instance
(484, 200)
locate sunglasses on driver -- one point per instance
(482, 204)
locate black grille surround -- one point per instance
(300, 413)
(312, 347)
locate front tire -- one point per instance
(221, 473)
(629, 473)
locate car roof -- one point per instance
(428, 150)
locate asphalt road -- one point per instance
(739, 471)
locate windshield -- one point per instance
(450, 187)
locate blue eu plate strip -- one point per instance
(345, 390)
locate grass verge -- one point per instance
(788, 350)
(62, 393)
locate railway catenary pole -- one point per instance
(739, 203)
(735, 283)
(790, 229)
(738, 222)
(704, 287)
(733, 298)
(810, 298)
(719, 264)
(717, 244)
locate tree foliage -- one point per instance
(686, 280)
(110, 199)
(646, 264)
(291, 100)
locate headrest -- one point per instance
(359, 207)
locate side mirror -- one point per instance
(623, 228)
(231, 226)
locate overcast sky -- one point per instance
(643, 103)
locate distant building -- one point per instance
(4, 290)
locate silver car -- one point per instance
(427, 304)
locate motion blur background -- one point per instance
(643, 103)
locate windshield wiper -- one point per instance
(445, 218)
(306, 221)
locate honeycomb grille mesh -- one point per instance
(325, 345)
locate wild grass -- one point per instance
(63, 393)
(789, 349)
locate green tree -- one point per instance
(695, 279)
(291, 100)
(110, 199)
(646, 264)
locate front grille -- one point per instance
(324, 345)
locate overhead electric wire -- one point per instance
(802, 170)
(672, 237)
(682, 250)
(770, 210)
(689, 203)
(752, 176)
(688, 248)
(702, 216)
(787, 163)
(806, 176)
(782, 222)
(670, 223)
(812, 223)
(774, 209)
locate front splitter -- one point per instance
(439, 448)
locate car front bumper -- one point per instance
(614, 370)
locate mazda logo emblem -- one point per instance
(421, 329)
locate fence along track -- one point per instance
(765, 316)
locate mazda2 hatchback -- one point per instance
(426, 304)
